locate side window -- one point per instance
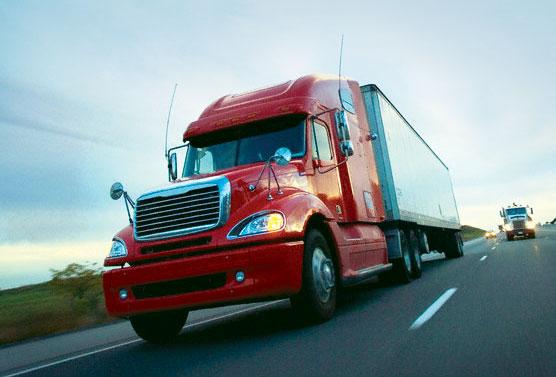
(321, 143)
(206, 164)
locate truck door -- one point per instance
(324, 174)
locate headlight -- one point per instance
(530, 224)
(258, 223)
(118, 249)
(508, 227)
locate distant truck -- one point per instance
(286, 192)
(518, 221)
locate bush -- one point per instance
(81, 282)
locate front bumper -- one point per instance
(271, 271)
(520, 232)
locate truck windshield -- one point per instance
(516, 211)
(248, 144)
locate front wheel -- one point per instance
(317, 299)
(159, 327)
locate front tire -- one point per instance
(159, 327)
(317, 300)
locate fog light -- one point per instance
(123, 294)
(240, 276)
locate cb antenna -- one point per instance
(168, 123)
(340, 65)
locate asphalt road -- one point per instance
(490, 313)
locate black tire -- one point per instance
(532, 235)
(423, 242)
(454, 246)
(415, 255)
(317, 299)
(509, 237)
(159, 327)
(402, 269)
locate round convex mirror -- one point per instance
(116, 191)
(282, 156)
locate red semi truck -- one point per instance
(290, 191)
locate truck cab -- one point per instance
(518, 221)
(279, 196)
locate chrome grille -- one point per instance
(167, 215)
(519, 224)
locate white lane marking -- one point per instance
(134, 341)
(493, 248)
(427, 314)
(71, 358)
(483, 258)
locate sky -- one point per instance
(85, 89)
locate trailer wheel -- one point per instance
(423, 242)
(415, 255)
(509, 237)
(317, 300)
(159, 327)
(454, 247)
(402, 269)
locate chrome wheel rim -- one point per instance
(323, 274)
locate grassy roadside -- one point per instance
(73, 299)
(469, 233)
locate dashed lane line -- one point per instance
(483, 258)
(431, 311)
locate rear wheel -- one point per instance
(317, 300)
(415, 255)
(159, 327)
(509, 237)
(402, 270)
(423, 242)
(454, 246)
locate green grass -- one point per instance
(469, 233)
(43, 309)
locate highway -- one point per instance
(490, 313)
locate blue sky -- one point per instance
(85, 89)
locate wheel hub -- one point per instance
(323, 274)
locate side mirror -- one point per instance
(282, 156)
(173, 167)
(342, 126)
(531, 210)
(501, 214)
(346, 147)
(116, 191)
(347, 100)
